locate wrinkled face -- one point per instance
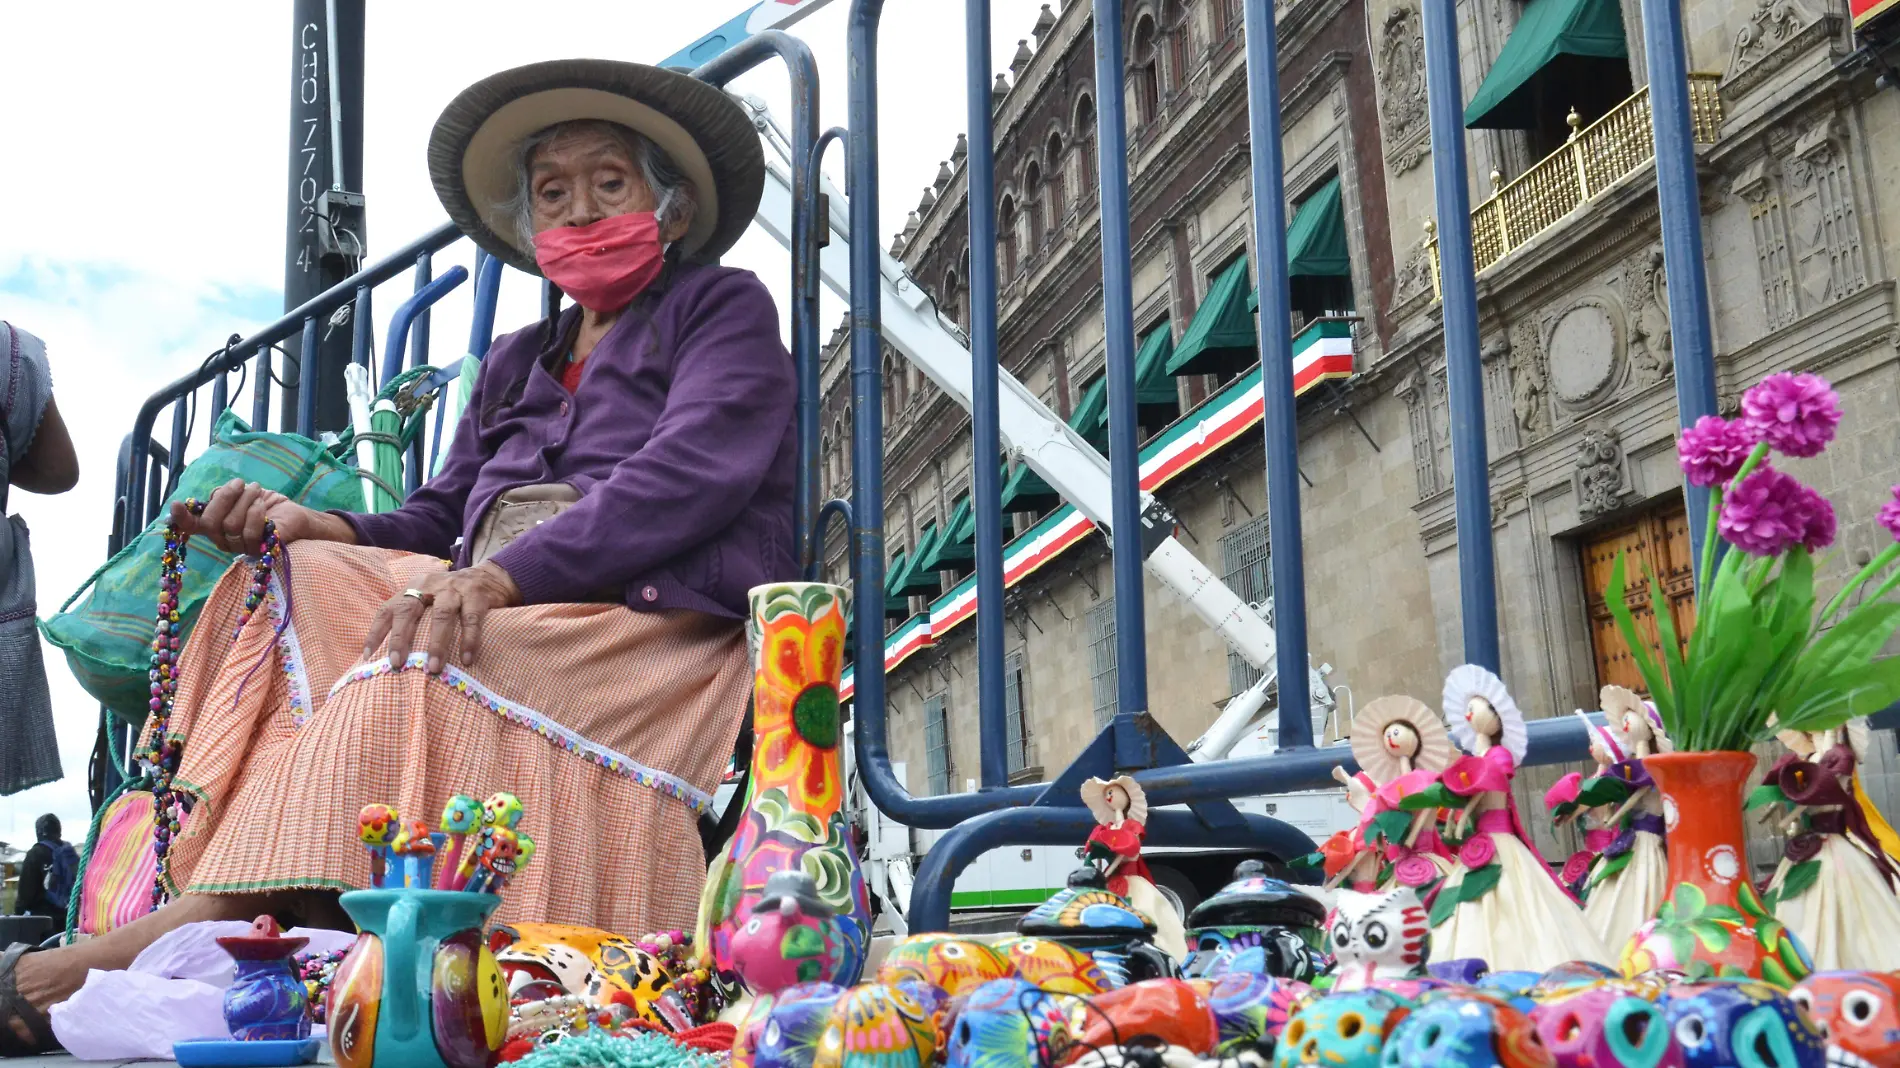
(584, 175)
(1340, 1031)
(1400, 740)
(1741, 1024)
(1858, 1013)
(1603, 1027)
(1464, 1029)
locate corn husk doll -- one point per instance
(1120, 808)
(1501, 903)
(1834, 887)
(1589, 803)
(1401, 747)
(1631, 880)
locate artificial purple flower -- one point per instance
(1889, 515)
(1795, 414)
(1765, 513)
(1818, 532)
(1712, 450)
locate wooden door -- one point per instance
(1656, 543)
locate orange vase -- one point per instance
(1714, 923)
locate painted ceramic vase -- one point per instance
(794, 807)
(1858, 1012)
(1465, 1029)
(1714, 923)
(266, 1001)
(1606, 1026)
(1342, 1031)
(1741, 1022)
(1088, 916)
(1256, 924)
(420, 988)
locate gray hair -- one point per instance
(669, 184)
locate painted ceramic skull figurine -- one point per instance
(1341, 1031)
(1858, 1013)
(1378, 936)
(1605, 1026)
(1465, 1029)
(1741, 1024)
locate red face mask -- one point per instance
(605, 264)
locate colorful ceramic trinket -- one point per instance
(266, 1001)
(1858, 1015)
(791, 938)
(1088, 916)
(1171, 1012)
(1341, 1030)
(881, 1025)
(1378, 936)
(1256, 924)
(1049, 965)
(1741, 1024)
(788, 1035)
(1251, 1008)
(954, 965)
(1465, 1029)
(1006, 1023)
(1605, 1025)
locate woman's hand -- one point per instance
(451, 599)
(233, 519)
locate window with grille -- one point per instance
(1245, 556)
(1102, 659)
(937, 742)
(1015, 715)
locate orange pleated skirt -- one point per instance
(612, 726)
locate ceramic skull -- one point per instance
(788, 1037)
(1006, 1023)
(1249, 1008)
(1741, 1024)
(1341, 1030)
(1378, 936)
(1465, 1029)
(1857, 1013)
(1605, 1026)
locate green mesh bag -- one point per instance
(107, 639)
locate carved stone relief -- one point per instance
(1439, 407)
(1530, 384)
(1823, 225)
(1646, 302)
(1411, 391)
(1757, 187)
(1415, 277)
(1581, 353)
(1497, 395)
(1776, 32)
(1601, 478)
(1401, 74)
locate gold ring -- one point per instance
(413, 592)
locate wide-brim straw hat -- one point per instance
(1468, 681)
(473, 150)
(1368, 734)
(1618, 702)
(1095, 796)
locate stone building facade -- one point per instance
(1799, 164)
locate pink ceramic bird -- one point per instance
(792, 937)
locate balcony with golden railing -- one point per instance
(1594, 158)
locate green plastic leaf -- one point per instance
(1434, 796)
(1765, 794)
(1609, 868)
(1603, 790)
(1393, 825)
(1443, 905)
(1799, 879)
(1480, 882)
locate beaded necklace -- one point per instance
(158, 763)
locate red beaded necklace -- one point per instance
(158, 762)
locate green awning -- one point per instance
(957, 547)
(1090, 418)
(896, 603)
(921, 576)
(1153, 385)
(1547, 30)
(1025, 491)
(1316, 240)
(1222, 331)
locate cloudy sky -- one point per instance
(143, 196)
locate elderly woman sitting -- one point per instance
(622, 476)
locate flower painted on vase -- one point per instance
(1722, 864)
(1796, 414)
(1713, 450)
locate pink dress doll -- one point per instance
(1501, 903)
(1401, 747)
(1630, 881)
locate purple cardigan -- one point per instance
(680, 440)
